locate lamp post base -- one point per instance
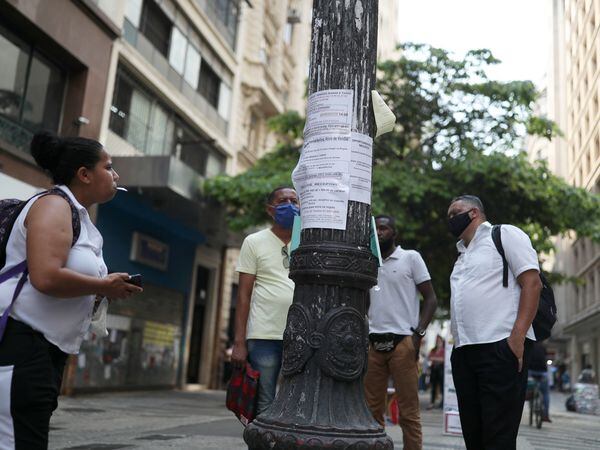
(262, 435)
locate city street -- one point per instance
(199, 420)
(298, 185)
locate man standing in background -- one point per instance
(265, 294)
(396, 329)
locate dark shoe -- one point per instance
(546, 419)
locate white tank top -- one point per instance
(63, 321)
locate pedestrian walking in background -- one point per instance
(436, 373)
(396, 329)
(491, 325)
(64, 281)
(265, 294)
(538, 369)
(562, 369)
(423, 373)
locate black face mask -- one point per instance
(459, 223)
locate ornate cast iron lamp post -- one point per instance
(321, 402)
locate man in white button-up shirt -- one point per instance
(491, 325)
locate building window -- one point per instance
(215, 164)
(265, 53)
(178, 49)
(133, 10)
(209, 85)
(226, 13)
(588, 159)
(31, 86)
(174, 52)
(139, 119)
(153, 128)
(195, 151)
(184, 58)
(224, 101)
(192, 67)
(130, 110)
(288, 33)
(156, 26)
(254, 128)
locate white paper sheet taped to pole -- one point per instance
(322, 176)
(335, 165)
(361, 162)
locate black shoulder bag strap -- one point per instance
(497, 238)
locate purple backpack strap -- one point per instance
(20, 268)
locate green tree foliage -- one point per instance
(457, 132)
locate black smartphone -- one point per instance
(135, 279)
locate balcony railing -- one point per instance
(14, 134)
(166, 172)
(160, 63)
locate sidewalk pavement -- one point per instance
(199, 420)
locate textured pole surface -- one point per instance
(320, 403)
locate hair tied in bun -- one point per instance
(46, 149)
(62, 157)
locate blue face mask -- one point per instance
(284, 215)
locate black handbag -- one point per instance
(385, 342)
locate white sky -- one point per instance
(516, 31)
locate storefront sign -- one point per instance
(149, 251)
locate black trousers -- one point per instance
(31, 371)
(491, 394)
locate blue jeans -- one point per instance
(264, 355)
(543, 388)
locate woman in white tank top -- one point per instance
(66, 274)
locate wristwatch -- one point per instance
(421, 333)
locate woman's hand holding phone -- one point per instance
(118, 285)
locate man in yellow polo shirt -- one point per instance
(265, 294)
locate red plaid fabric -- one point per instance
(241, 393)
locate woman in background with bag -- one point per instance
(60, 279)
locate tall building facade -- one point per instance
(387, 30)
(572, 96)
(273, 51)
(48, 80)
(168, 127)
(274, 42)
(582, 53)
(552, 104)
(175, 89)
